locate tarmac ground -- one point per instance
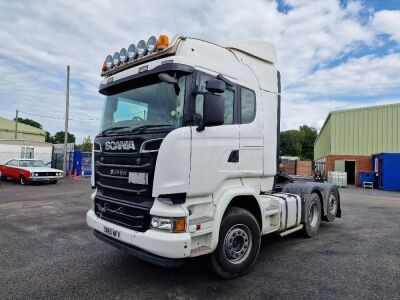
(47, 251)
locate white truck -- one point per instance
(186, 162)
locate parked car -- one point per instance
(29, 170)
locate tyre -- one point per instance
(312, 215)
(238, 244)
(332, 205)
(22, 180)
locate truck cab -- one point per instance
(186, 161)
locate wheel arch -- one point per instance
(238, 198)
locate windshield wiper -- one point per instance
(143, 127)
(114, 128)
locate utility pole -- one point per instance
(16, 124)
(66, 125)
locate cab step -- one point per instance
(291, 230)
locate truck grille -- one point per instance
(136, 217)
(112, 172)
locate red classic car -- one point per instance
(29, 170)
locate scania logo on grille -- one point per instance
(119, 145)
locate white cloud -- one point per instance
(39, 39)
(387, 22)
(367, 75)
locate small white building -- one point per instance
(10, 149)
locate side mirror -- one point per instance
(213, 110)
(215, 86)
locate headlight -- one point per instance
(151, 44)
(169, 224)
(141, 48)
(116, 59)
(132, 52)
(109, 61)
(122, 55)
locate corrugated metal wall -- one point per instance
(361, 131)
(25, 132)
(322, 146)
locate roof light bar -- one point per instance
(136, 54)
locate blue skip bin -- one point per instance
(366, 177)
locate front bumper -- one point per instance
(151, 245)
(44, 178)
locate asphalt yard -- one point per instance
(47, 251)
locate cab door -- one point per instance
(251, 134)
(214, 151)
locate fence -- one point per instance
(297, 167)
(77, 162)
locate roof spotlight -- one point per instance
(109, 61)
(132, 52)
(122, 55)
(116, 59)
(151, 44)
(141, 48)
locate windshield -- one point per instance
(156, 105)
(31, 163)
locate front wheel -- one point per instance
(238, 245)
(22, 180)
(312, 215)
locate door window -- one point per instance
(247, 105)
(12, 163)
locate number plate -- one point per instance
(111, 232)
(138, 178)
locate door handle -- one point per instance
(234, 156)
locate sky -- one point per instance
(331, 54)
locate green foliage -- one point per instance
(49, 138)
(59, 137)
(30, 122)
(298, 142)
(86, 145)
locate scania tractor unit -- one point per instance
(186, 162)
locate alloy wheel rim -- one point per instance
(238, 243)
(332, 204)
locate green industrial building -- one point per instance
(28, 143)
(348, 138)
(24, 132)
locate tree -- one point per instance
(59, 137)
(291, 143)
(30, 122)
(49, 138)
(86, 145)
(299, 142)
(308, 136)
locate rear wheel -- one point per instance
(332, 205)
(238, 245)
(22, 180)
(312, 215)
